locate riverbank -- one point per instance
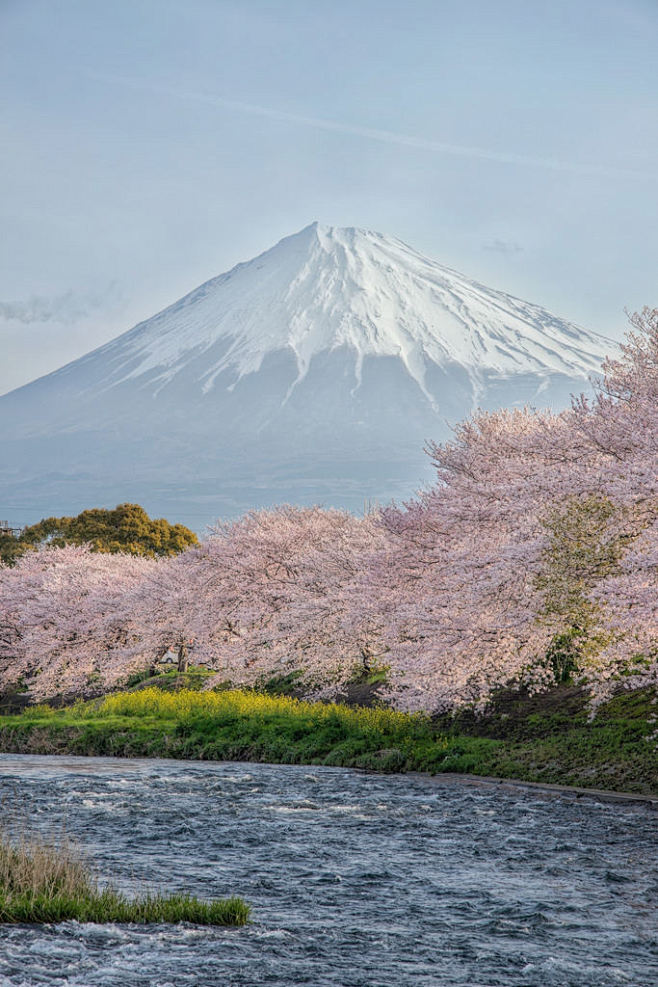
(542, 739)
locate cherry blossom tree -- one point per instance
(459, 574)
(65, 622)
(621, 424)
(263, 596)
(533, 556)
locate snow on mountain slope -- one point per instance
(314, 372)
(325, 287)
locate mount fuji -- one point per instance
(313, 373)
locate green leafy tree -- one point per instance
(10, 547)
(126, 528)
(587, 537)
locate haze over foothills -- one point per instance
(151, 145)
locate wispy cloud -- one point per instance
(68, 307)
(383, 136)
(502, 246)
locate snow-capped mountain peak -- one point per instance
(327, 287)
(315, 372)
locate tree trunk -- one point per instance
(183, 661)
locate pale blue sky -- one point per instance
(148, 145)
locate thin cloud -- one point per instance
(502, 246)
(383, 136)
(68, 307)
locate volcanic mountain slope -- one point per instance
(312, 373)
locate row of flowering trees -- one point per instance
(532, 558)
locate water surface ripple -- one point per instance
(354, 879)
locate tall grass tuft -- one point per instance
(33, 866)
(47, 881)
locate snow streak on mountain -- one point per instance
(313, 373)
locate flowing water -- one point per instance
(354, 879)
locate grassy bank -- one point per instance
(48, 882)
(543, 738)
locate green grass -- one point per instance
(109, 906)
(549, 738)
(44, 881)
(234, 725)
(542, 738)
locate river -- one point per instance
(354, 879)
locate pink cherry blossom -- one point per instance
(538, 526)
